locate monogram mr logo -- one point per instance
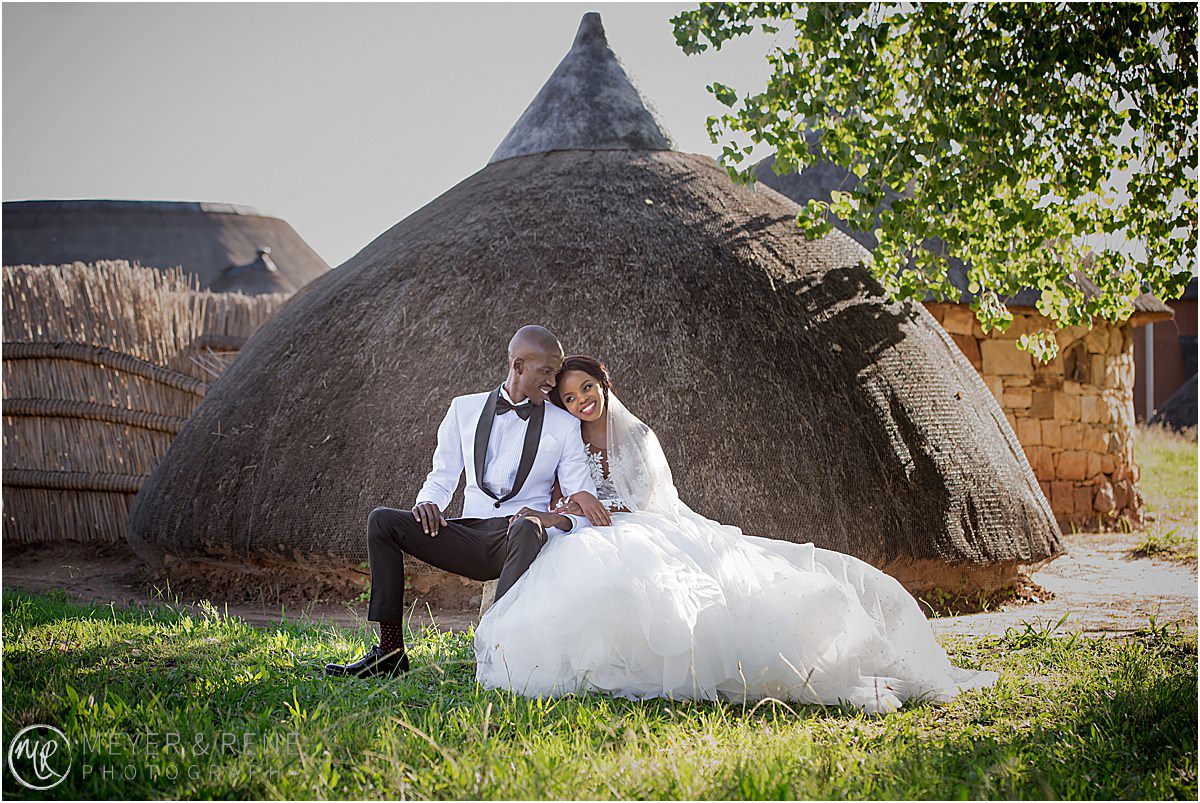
(39, 757)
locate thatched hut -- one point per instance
(792, 398)
(1074, 415)
(222, 245)
(259, 276)
(1179, 411)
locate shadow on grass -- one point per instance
(1121, 723)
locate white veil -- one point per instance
(637, 466)
(640, 473)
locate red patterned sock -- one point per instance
(391, 637)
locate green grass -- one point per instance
(1071, 717)
(1168, 481)
(1166, 543)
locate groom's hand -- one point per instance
(430, 516)
(546, 518)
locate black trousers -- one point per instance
(481, 549)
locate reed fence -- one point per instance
(102, 365)
(229, 320)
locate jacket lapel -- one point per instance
(483, 433)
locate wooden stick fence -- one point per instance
(103, 364)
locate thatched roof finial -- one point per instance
(589, 103)
(264, 254)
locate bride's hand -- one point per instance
(583, 503)
(565, 505)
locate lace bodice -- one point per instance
(606, 492)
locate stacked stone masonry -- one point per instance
(1074, 415)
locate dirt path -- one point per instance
(113, 573)
(1101, 589)
(1097, 584)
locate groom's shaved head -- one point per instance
(534, 357)
(533, 341)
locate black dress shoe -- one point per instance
(372, 664)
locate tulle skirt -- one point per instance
(690, 609)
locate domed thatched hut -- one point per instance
(792, 399)
(216, 243)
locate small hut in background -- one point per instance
(1179, 411)
(1073, 416)
(257, 277)
(791, 397)
(225, 247)
(102, 365)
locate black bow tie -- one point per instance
(524, 409)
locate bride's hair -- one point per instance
(590, 366)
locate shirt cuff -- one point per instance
(576, 523)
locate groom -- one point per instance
(511, 444)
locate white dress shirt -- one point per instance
(504, 448)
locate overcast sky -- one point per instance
(340, 118)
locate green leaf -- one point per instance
(726, 95)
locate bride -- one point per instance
(667, 603)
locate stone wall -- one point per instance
(1074, 415)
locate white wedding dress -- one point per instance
(667, 603)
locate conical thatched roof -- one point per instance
(204, 239)
(791, 398)
(589, 103)
(821, 179)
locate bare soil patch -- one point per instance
(1099, 585)
(104, 573)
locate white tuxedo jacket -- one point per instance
(462, 442)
